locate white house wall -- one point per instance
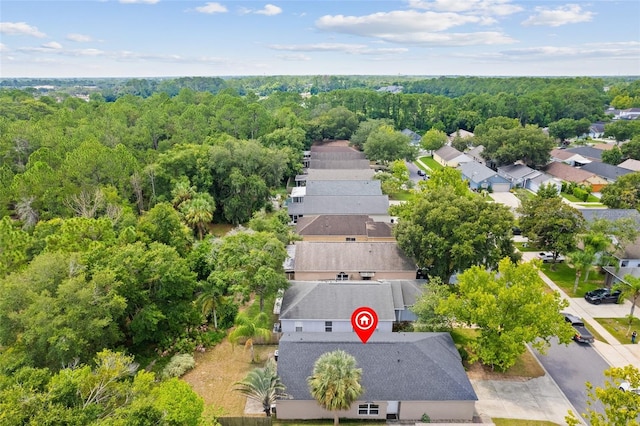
(315, 326)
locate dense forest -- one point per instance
(107, 202)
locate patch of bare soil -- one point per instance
(527, 367)
(218, 369)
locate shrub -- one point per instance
(179, 364)
(580, 194)
(425, 418)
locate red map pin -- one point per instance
(364, 321)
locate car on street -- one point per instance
(547, 256)
(421, 172)
(626, 387)
(602, 295)
(582, 334)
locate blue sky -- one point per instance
(162, 38)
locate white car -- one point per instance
(547, 256)
(626, 387)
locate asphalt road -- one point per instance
(571, 367)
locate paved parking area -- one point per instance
(506, 198)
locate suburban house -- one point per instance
(522, 176)
(335, 188)
(572, 174)
(343, 228)
(607, 171)
(414, 138)
(334, 174)
(461, 133)
(327, 306)
(476, 154)
(624, 114)
(616, 275)
(338, 164)
(588, 152)
(567, 157)
(630, 164)
(481, 177)
(630, 256)
(596, 130)
(450, 157)
(376, 206)
(348, 261)
(404, 375)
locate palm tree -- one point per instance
(209, 302)
(335, 382)
(250, 328)
(198, 212)
(262, 385)
(630, 289)
(580, 260)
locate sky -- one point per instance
(174, 38)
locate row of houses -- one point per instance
(348, 258)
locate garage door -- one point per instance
(501, 187)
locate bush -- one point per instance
(179, 364)
(425, 418)
(580, 194)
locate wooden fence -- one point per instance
(244, 421)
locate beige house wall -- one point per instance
(409, 410)
(353, 275)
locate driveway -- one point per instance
(507, 199)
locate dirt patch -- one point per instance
(218, 369)
(527, 367)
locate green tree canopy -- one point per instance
(385, 145)
(486, 300)
(624, 193)
(433, 139)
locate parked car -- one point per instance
(547, 256)
(602, 295)
(582, 334)
(421, 172)
(516, 231)
(626, 387)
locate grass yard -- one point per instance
(592, 205)
(525, 247)
(619, 328)
(402, 196)
(517, 422)
(524, 194)
(574, 199)
(218, 369)
(431, 163)
(564, 276)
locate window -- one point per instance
(368, 409)
(298, 326)
(342, 276)
(328, 326)
(350, 239)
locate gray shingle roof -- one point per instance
(339, 164)
(339, 174)
(395, 366)
(607, 171)
(328, 204)
(333, 301)
(610, 214)
(351, 256)
(448, 153)
(337, 155)
(476, 172)
(352, 225)
(587, 151)
(517, 171)
(343, 187)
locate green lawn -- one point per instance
(431, 163)
(618, 327)
(524, 194)
(525, 247)
(592, 205)
(565, 276)
(402, 196)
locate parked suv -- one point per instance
(602, 295)
(547, 256)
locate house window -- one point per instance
(298, 326)
(350, 239)
(624, 263)
(368, 409)
(342, 276)
(328, 326)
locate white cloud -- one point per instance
(269, 10)
(4, 48)
(139, 1)
(414, 27)
(355, 49)
(20, 28)
(211, 8)
(294, 58)
(52, 45)
(485, 7)
(595, 51)
(80, 38)
(567, 14)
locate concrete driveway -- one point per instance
(506, 198)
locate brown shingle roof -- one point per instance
(568, 173)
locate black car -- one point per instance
(603, 295)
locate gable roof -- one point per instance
(337, 155)
(448, 153)
(463, 134)
(415, 138)
(395, 366)
(342, 225)
(343, 187)
(336, 300)
(567, 156)
(477, 172)
(566, 172)
(605, 170)
(604, 146)
(339, 164)
(630, 164)
(610, 214)
(476, 152)
(340, 204)
(587, 151)
(518, 171)
(351, 256)
(339, 174)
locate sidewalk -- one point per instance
(617, 354)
